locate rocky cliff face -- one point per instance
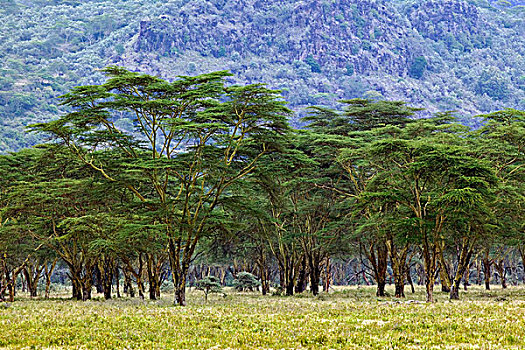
(366, 35)
(427, 52)
(438, 19)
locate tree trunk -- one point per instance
(263, 272)
(430, 251)
(179, 271)
(463, 265)
(153, 277)
(99, 285)
(128, 285)
(105, 269)
(399, 283)
(377, 255)
(444, 274)
(409, 279)
(486, 271)
(300, 286)
(327, 276)
(180, 291)
(11, 287)
(500, 267)
(117, 280)
(289, 289)
(76, 289)
(48, 272)
(315, 278)
(429, 286)
(108, 282)
(140, 286)
(398, 259)
(32, 273)
(381, 288)
(466, 278)
(86, 291)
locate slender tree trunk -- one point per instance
(179, 272)
(399, 282)
(153, 277)
(108, 278)
(263, 272)
(128, 285)
(48, 272)
(327, 276)
(466, 278)
(463, 264)
(377, 255)
(315, 278)
(398, 259)
(11, 286)
(300, 286)
(140, 286)
(486, 271)
(429, 285)
(180, 291)
(76, 288)
(99, 285)
(117, 280)
(86, 291)
(444, 275)
(430, 257)
(32, 273)
(500, 267)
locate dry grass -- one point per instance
(345, 319)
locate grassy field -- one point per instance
(348, 318)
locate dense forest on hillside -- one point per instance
(439, 55)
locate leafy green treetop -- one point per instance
(246, 281)
(209, 284)
(195, 138)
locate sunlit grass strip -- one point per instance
(343, 320)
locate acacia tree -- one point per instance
(339, 141)
(430, 180)
(53, 204)
(502, 142)
(194, 138)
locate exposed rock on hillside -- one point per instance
(465, 55)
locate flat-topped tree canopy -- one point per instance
(193, 138)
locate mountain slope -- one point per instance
(441, 55)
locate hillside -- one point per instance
(452, 54)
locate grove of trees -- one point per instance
(212, 185)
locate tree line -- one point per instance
(212, 180)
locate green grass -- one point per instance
(346, 319)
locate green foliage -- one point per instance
(418, 67)
(195, 140)
(246, 281)
(314, 65)
(492, 83)
(209, 284)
